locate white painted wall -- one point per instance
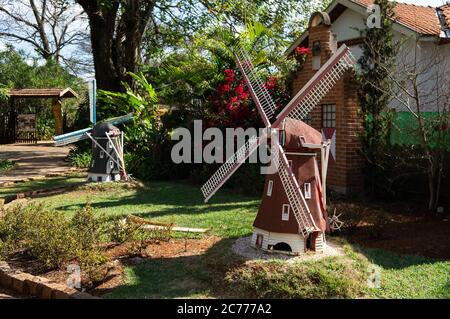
(296, 242)
(346, 27)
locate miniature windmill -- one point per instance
(107, 162)
(297, 171)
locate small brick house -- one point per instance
(337, 116)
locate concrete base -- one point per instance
(270, 241)
(103, 178)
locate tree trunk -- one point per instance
(116, 35)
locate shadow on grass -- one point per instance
(185, 200)
(197, 276)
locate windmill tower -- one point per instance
(292, 216)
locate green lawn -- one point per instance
(47, 183)
(229, 216)
(180, 203)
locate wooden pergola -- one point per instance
(57, 95)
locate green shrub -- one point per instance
(80, 159)
(51, 238)
(45, 129)
(6, 165)
(334, 277)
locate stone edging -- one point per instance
(42, 288)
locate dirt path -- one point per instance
(34, 161)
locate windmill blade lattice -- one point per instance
(261, 96)
(229, 167)
(319, 86)
(293, 193)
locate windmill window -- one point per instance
(110, 145)
(270, 188)
(93, 163)
(307, 190)
(111, 164)
(102, 154)
(329, 116)
(285, 212)
(290, 164)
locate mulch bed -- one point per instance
(404, 229)
(120, 258)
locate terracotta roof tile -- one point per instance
(421, 19)
(446, 13)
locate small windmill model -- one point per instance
(297, 188)
(107, 164)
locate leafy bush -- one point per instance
(45, 129)
(51, 238)
(334, 277)
(80, 159)
(6, 165)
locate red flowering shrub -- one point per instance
(233, 105)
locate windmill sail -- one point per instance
(229, 167)
(81, 135)
(261, 96)
(319, 86)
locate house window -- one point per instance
(99, 179)
(285, 212)
(329, 116)
(270, 188)
(102, 154)
(307, 190)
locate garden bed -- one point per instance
(205, 266)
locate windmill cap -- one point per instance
(101, 129)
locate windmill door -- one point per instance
(259, 240)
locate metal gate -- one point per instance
(8, 127)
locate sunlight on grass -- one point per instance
(404, 276)
(182, 204)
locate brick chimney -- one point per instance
(344, 174)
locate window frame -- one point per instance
(269, 188)
(329, 115)
(307, 189)
(285, 215)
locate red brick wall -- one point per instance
(344, 173)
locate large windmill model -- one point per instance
(287, 221)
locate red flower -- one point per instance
(302, 51)
(224, 88)
(229, 80)
(245, 96)
(229, 73)
(271, 83)
(239, 90)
